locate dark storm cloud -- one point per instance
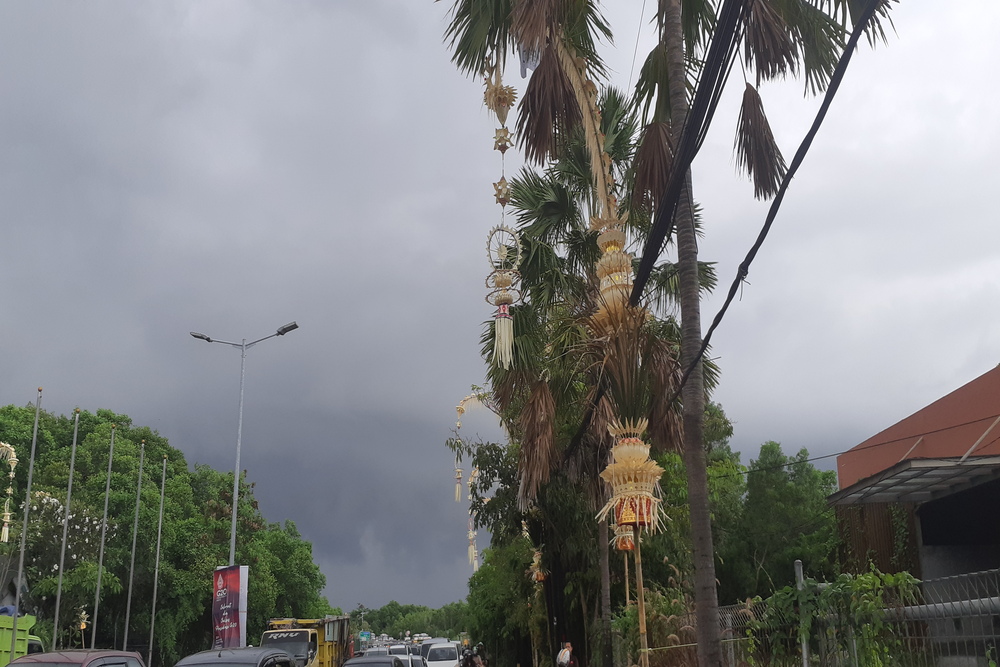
(228, 167)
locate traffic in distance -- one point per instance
(287, 642)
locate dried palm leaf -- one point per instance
(756, 151)
(653, 161)
(665, 424)
(533, 22)
(768, 44)
(548, 110)
(537, 443)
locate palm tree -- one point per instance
(778, 37)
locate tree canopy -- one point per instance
(284, 580)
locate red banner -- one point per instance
(229, 607)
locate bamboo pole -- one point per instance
(641, 600)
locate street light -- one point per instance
(243, 347)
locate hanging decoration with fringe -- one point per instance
(8, 454)
(503, 246)
(624, 538)
(504, 251)
(634, 479)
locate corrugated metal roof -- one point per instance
(920, 480)
(949, 427)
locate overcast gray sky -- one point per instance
(228, 167)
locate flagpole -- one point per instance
(104, 532)
(135, 532)
(156, 575)
(24, 529)
(62, 552)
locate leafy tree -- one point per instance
(775, 38)
(195, 536)
(785, 517)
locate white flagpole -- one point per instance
(62, 553)
(104, 532)
(156, 575)
(135, 532)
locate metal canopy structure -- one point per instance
(920, 480)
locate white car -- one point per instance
(442, 655)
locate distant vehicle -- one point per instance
(382, 660)
(442, 655)
(81, 658)
(425, 646)
(250, 656)
(26, 643)
(312, 642)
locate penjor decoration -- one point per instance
(7, 453)
(503, 246)
(634, 480)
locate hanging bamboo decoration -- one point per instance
(7, 453)
(634, 479)
(503, 246)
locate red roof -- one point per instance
(950, 426)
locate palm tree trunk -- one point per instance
(602, 538)
(693, 393)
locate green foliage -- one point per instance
(784, 517)
(195, 539)
(504, 605)
(848, 615)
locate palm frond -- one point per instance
(653, 165)
(548, 109)
(819, 38)
(537, 443)
(479, 34)
(756, 150)
(533, 22)
(665, 424)
(767, 44)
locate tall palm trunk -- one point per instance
(602, 539)
(693, 394)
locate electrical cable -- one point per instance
(708, 91)
(859, 448)
(744, 267)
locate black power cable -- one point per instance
(718, 64)
(744, 268)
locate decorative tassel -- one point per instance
(503, 340)
(5, 532)
(458, 485)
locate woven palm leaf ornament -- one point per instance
(502, 245)
(504, 251)
(7, 454)
(635, 483)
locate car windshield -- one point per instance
(55, 664)
(442, 653)
(397, 650)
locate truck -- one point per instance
(311, 642)
(26, 642)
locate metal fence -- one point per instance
(946, 622)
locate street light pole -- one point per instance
(243, 347)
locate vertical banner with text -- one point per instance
(229, 606)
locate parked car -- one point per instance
(442, 655)
(250, 656)
(81, 658)
(425, 646)
(378, 660)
